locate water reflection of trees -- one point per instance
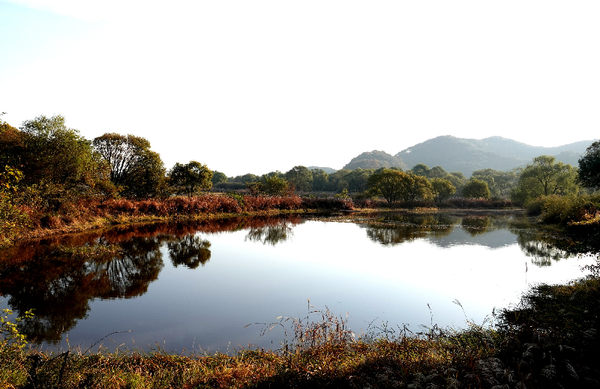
(58, 277)
(397, 229)
(476, 225)
(270, 234)
(58, 283)
(190, 251)
(544, 248)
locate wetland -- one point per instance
(215, 285)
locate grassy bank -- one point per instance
(550, 340)
(88, 214)
(92, 213)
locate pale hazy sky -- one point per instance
(256, 86)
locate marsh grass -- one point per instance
(319, 350)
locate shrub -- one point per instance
(569, 210)
(10, 337)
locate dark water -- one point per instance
(196, 287)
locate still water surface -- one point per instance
(195, 288)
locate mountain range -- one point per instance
(468, 155)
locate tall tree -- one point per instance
(271, 185)
(358, 179)
(589, 167)
(191, 178)
(136, 169)
(442, 188)
(218, 177)
(320, 179)
(396, 185)
(420, 169)
(59, 160)
(499, 183)
(338, 180)
(545, 177)
(476, 189)
(301, 177)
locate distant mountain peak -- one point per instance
(495, 152)
(374, 160)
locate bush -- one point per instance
(568, 210)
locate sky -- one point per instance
(248, 86)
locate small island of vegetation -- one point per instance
(54, 181)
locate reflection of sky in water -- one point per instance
(332, 264)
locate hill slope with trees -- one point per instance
(374, 160)
(468, 155)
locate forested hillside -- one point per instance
(468, 155)
(375, 160)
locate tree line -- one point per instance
(44, 164)
(544, 176)
(56, 163)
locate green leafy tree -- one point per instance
(273, 185)
(457, 179)
(545, 177)
(358, 179)
(138, 171)
(218, 177)
(504, 182)
(246, 178)
(437, 172)
(338, 181)
(190, 178)
(442, 188)
(320, 179)
(476, 189)
(499, 183)
(390, 184)
(420, 170)
(396, 185)
(58, 161)
(420, 188)
(589, 167)
(301, 177)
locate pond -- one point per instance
(196, 287)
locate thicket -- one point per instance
(576, 212)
